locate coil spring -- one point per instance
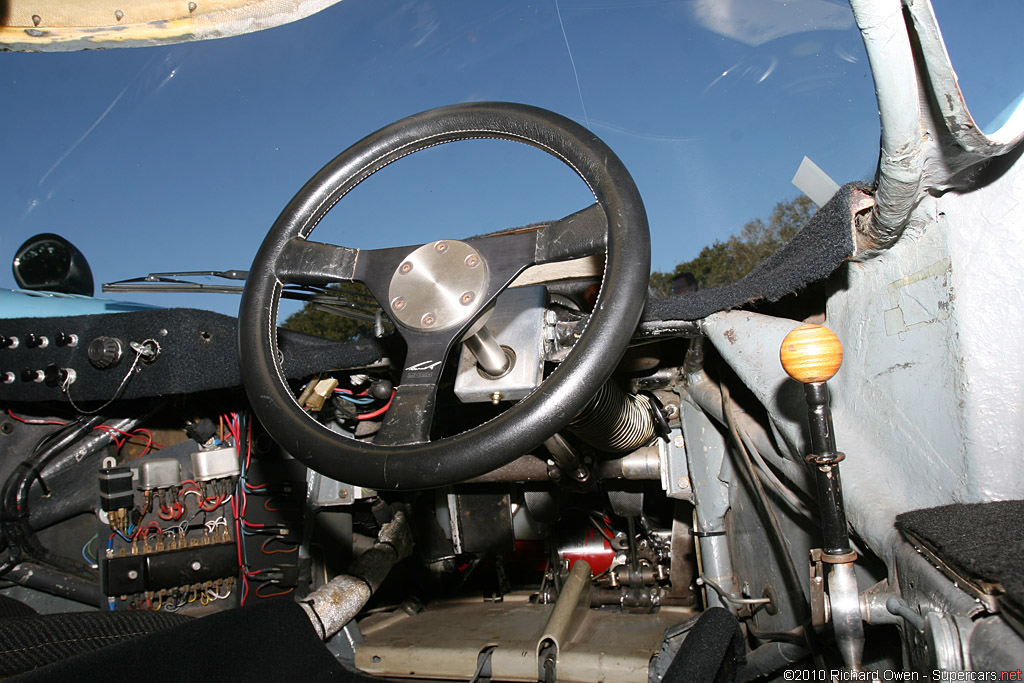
(614, 421)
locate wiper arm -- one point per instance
(337, 302)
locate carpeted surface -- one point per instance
(811, 255)
(198, 352)
(31, 641)
(269, 641)
(712, 652)
(981, 540)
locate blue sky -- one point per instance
(181, 157)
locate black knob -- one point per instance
(36, 340)
(30, 375)
(54, 375)
(8, 342)
(105, 352)
(64, 339)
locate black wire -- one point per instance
(788, 566)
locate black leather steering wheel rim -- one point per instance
(526, 424)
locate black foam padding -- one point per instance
(9, 607)
(267, 641)
(811, 255)
(29, 642)
(980, 540)
(198, 352)
(712, 652)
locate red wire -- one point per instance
(379, 412)
(35, 422)
(271, 595)
(263, 547)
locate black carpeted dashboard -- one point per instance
(198, 352)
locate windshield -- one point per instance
(179, 158)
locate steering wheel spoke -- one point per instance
(584, 233)
(304, 262)
(410, 416)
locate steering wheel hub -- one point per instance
(438, 286)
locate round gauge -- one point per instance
(48, 262)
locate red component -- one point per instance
(589, 545)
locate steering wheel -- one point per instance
(464, 278)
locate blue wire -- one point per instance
(354, 399)
(85, 547)
(118, 531)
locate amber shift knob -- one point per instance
(811, 353)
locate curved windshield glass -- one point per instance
(991, 77)
(179, 158)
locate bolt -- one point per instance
(467, 298)
(398, 304)
(581, 474)
(133, 574)
(472, 261)
(405, 268)
(496, 397)
(196, 565)
(343, 493)
(428, 320)
(441, 247)
(671, 409)
(678, 442)
(684, 482)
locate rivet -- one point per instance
(441, 247)
(398, 304)
(191, 7)
(467, 298)
(118, 14)
(684, 482)
(133, 574)
(405, 268)
(36, 20)
(196, 566)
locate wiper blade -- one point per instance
(325, 298)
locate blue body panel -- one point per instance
(21, 303)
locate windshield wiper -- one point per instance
(326, 298)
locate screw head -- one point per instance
(683, 482)
(398, 303)
(467, 298)
(133, 574)
(428, 320)
(472, 261)
(441, 247)
(196, 565)
(405, 268)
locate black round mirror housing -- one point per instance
(49, 263)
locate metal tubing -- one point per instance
(844, 599)
(901, 163)
(489, 354)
